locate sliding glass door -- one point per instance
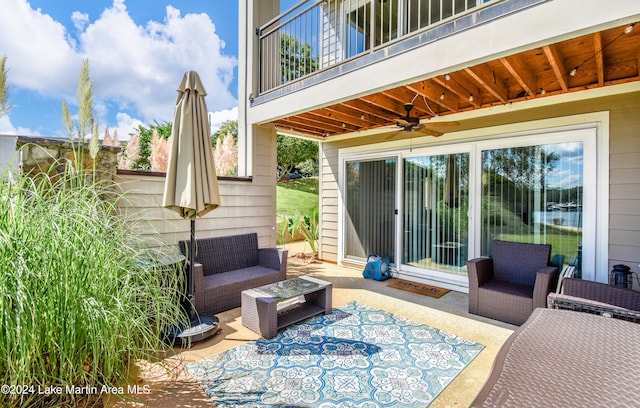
(370, 218)
(435, 212)
(534, 194)
(452, 201)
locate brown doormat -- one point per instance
(416, 287)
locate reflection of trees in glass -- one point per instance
(516, 186)
(524, 166)
(516, 173)
(296, 58)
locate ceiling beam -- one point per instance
(555, 60)
(597, 48)
(458, 86)
(436, 95)
(521, 73)
(307, 131)
(488, 80)
(374, 112)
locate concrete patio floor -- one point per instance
(167, 384)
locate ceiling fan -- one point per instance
(410, 123)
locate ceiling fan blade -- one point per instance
(403, 122)
(430, 132)
(452, 123)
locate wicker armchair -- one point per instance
(512, 283)
(597, 298)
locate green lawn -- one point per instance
(300, 194)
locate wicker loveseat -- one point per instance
(225, 266)
(512, 283)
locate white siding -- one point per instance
(246, 206)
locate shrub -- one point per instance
(78, 304)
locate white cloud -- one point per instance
(43, 60)
(7, 128)
(140, 67)
(80, 20)
(217, 118)
(134, 68)
(125, 126)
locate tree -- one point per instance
(228, 126)
(226, 156)
(145, 134)
(296, 58)
(292, 151)
(4, 89)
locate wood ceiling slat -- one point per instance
(394, 107)
(318, 119)
(351, 118)
(312, 131)
(367, 108)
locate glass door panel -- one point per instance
(435, 212)
(534, 194)
(370, 208)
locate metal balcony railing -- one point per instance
(315, 35)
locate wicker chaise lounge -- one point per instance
(512, 283)
(225, 266)
(563, 358)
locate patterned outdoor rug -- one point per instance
(356, 356)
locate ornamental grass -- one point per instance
(79, 301)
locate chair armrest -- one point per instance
(480, 271)
(601, 292)
(578, 304)
(546, 281)
(274, 258)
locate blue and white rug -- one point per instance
(356, 356)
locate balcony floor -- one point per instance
(172, 387)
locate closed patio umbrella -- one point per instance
(191, 186)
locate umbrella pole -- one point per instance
(190, 288)
(200, 327)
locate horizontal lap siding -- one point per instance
(624, 176)
(329, 196)
(245, 206)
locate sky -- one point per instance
(138, 51)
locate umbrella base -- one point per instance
(200, 328)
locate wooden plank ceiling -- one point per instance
(595, 60)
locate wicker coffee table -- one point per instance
(268, 308)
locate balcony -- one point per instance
(314, 37)
(472, 55)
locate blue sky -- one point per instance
(138, 51)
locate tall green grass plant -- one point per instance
(79, 301)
